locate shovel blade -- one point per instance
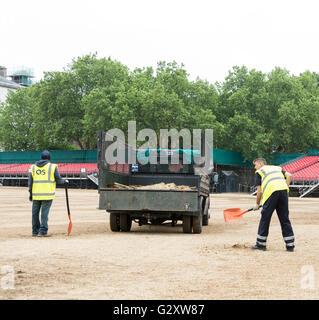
(233, 214)
(70, 226)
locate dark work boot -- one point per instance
(290, 249)
(255, 247)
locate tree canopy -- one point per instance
(252, 112)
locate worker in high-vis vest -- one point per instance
(43, 176)
(272, 192)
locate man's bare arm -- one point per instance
(258, 195)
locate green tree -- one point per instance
(71, 104)
(17, 121)
(267, 113)
(251, 111)
(58, 112)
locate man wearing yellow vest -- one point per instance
(272, 189)
(42, 182)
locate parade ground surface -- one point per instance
(154, 262)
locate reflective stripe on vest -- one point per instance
(43, 187)
(272, 180)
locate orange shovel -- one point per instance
(233, 214)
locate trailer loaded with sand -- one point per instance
(153, 192)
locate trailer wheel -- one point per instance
(187, 224)
(198, 223)
(115, 222)
(125, 222)
(205, 215)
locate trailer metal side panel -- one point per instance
(149, 200)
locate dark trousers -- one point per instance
(279, 201)
(45, 206)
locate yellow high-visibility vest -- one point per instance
(272, 180)
(43, 187)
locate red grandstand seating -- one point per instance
(301, 164)
(77, 167)
(119, 167)
(14, 168)
(309, 173)
(23, 168)
(64, 168)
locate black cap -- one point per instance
(45, 155)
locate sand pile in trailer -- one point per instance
(157, 186)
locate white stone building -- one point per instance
(6, 85)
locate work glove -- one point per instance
(66, 181)
(256, 207)
(30, 196)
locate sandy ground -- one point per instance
(154, 262)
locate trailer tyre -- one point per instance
(197, 224)
(187, 224)
(125, 222)
(115, 222)
(198, 220)
(206, 215)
